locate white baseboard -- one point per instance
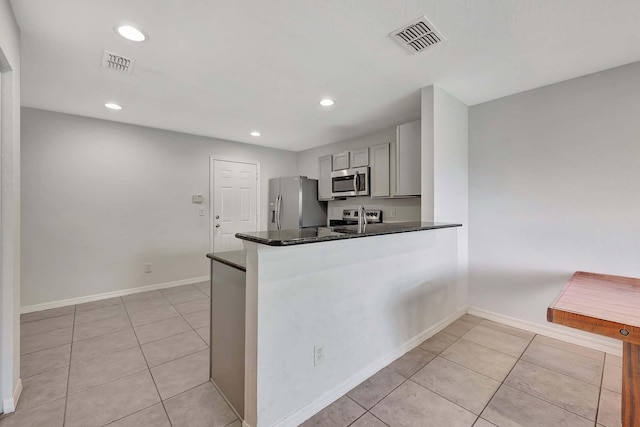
(595, 342)
(122, 292)
(9, 405)
(329, 397)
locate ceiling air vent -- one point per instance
(417, 35)
(117, 62)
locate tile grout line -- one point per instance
(363, 414)
(600, 391)
(66, 393)
(47, 348)
(534, 396)
(566, 375)
(386, 395)
(44, 349)
(24, 322)
(148, 368)
(571, 351)
(531, 341)
(501, 382)
(41, 320)
(100, 320)
(395, 388)
(505, 377)
(409, 379)
(494, 349)
(374, 415)
(546, 401)
(178, 358)
(405, 378)
(71, 343)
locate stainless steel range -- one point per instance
(350, 217)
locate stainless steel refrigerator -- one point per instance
(293, 203)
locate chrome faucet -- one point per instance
(362, 219)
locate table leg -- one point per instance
(631, 385)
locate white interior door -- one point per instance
(235, 204)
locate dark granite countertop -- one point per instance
(235, 259)
(324, 234)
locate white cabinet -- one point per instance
(325, 167)
(408, 159)
(395, 167)
(380, 170)
(341, 161)
(360, 158)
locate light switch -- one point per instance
(197, 198)
(201, 211)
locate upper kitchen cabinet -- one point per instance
(394, 167)
(341, 161)
(360, 158)
(325, 167)
(407, 160)
(380, 170)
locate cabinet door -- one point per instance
(325, 164)
(341, 161)
(408, 171)
(380, 170)
(360, 158)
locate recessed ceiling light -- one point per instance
(131, 33)
(255, 133)
(112, 106)
(327, 102)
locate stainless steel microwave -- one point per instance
(350, 182)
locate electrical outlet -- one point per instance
(147, 267)
(392, 213)
(318, 355)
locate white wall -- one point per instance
(554, 179)
(366, 301)
(426, 152)
(406, 209)
(102, 198)
(445, 179)
(450, 175)
(10, 208)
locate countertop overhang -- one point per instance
(324, 234)
(235, 259)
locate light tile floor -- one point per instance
(484, 374)
(143, 360)
(140, 360)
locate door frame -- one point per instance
(10, 382)
(212, 159)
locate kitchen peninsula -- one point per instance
(328, 307)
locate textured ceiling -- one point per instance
(226, 67)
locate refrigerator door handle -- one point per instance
(278, 211)
(276, 214)
(280, 214)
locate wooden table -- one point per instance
(609, 306)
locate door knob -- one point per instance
(217, 225)
(217, 216)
